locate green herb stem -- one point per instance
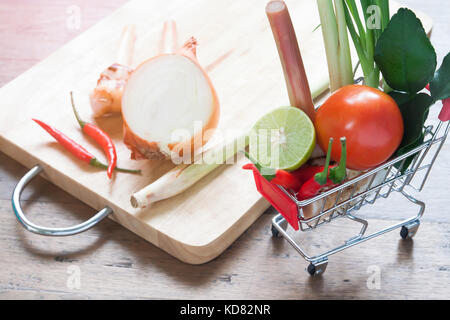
(322, 177)
(339, 173)
(365, 38)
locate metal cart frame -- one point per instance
(381, 182)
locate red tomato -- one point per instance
(369, 119)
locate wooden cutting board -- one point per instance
(235, 42)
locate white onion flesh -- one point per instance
(168, 100)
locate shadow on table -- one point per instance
(48, 205)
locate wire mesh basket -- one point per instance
(396, 175)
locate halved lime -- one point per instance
(284, 138)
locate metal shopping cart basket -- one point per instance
(348, 198)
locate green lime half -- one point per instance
(284, 138)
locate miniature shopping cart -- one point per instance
(348, 198)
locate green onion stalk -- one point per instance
(365, 35)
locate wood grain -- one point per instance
(115, 263)
(197, 225)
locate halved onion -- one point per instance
(168, 105)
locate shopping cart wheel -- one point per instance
(275, 232)
(408, 231)
(317, 268)
(279, 221)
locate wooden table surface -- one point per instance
(113, 263)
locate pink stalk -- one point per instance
(291, 59)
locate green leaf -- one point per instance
(440, 86)
(414, 112)
(404, 53)
(400, 97)
(404, 150)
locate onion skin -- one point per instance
(106, 98)
(143, 149)
(140, 148)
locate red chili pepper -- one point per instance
(279, 177)
(311, 188)
(286, 180)
(248, 166)
(306, 172)
(100, 136)
(275, 176)
(76, 149)
(327, 177)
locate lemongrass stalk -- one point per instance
(184, 176)
(339, 66)
(330, 37)
(345, 60)
(291, 60)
